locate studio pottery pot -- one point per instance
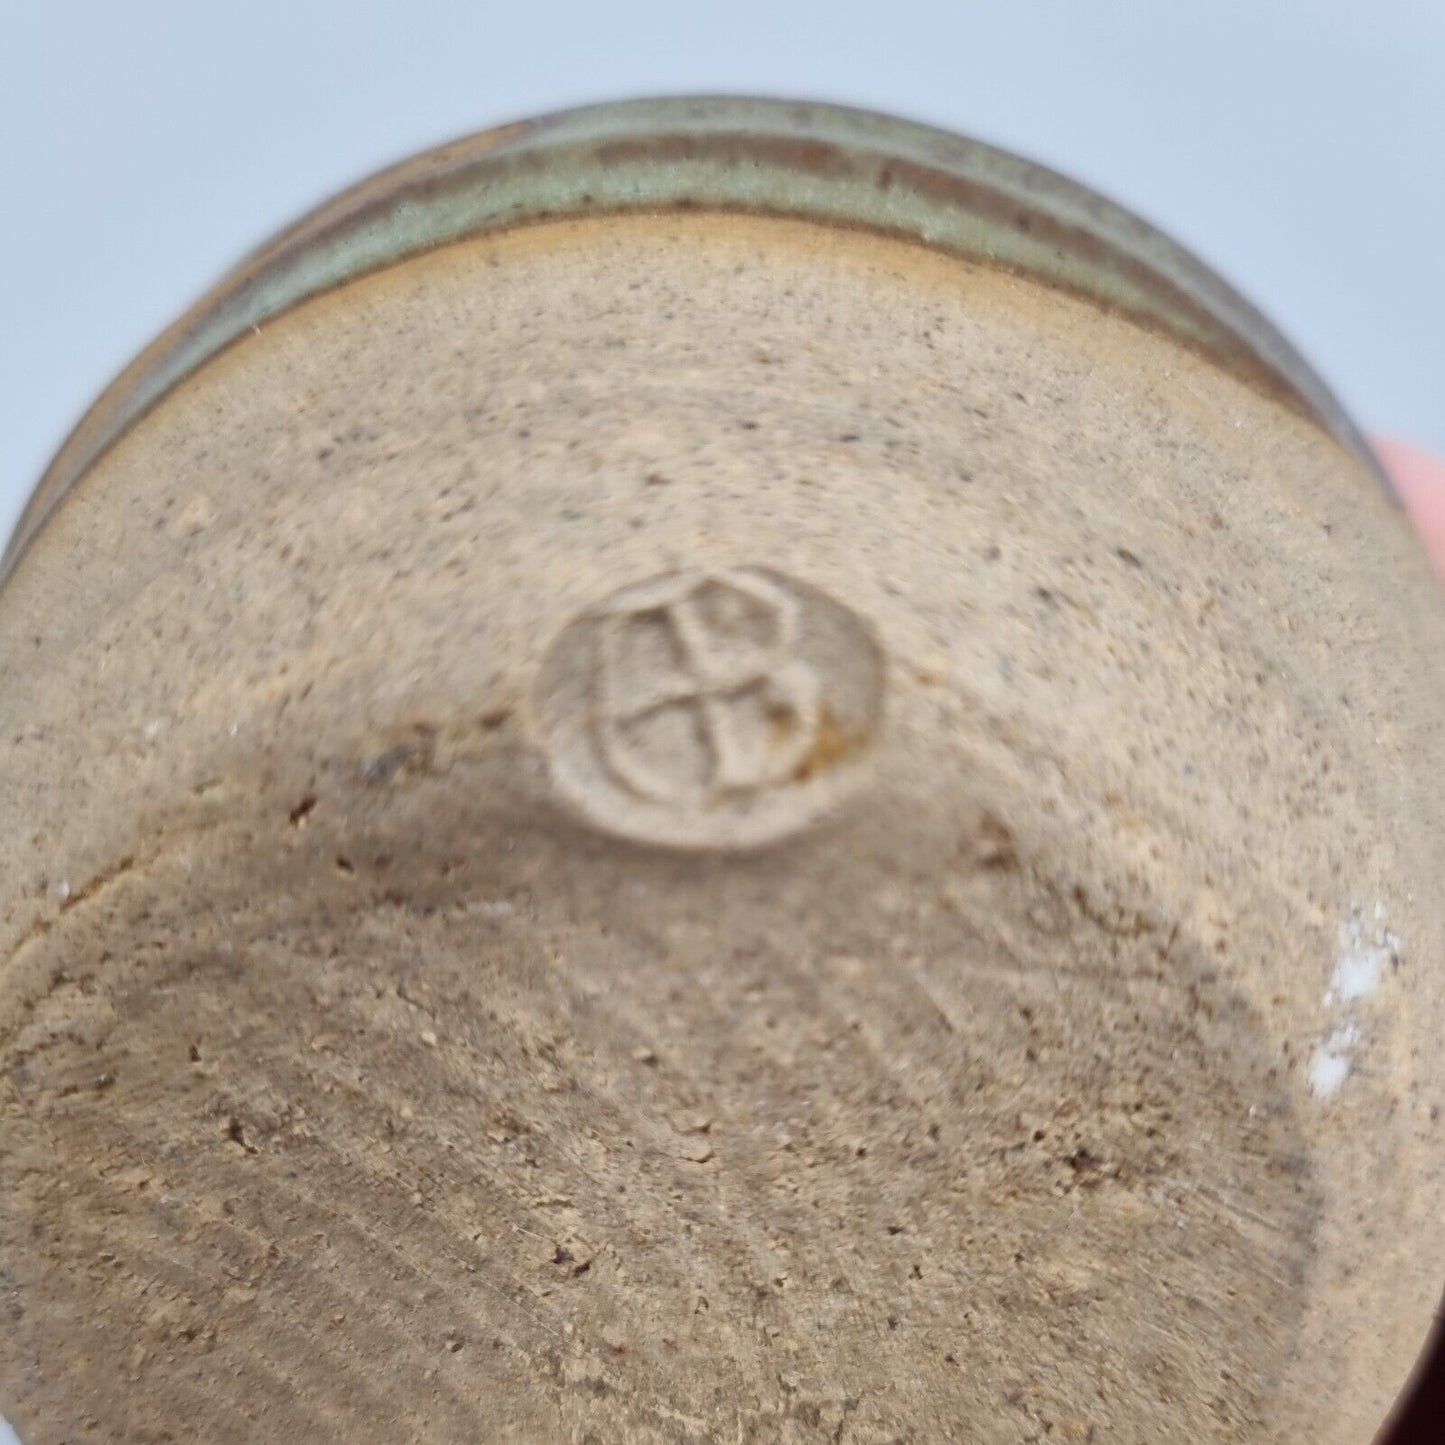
(718, 770)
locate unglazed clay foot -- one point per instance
(718, 772)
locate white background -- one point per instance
(1299, 145)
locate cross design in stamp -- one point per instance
(711, 707)
(720, 652)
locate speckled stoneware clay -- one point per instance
(718, 772)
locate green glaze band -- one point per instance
(818, 162)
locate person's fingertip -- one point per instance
(1420, 480)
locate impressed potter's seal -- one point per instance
(710, 708)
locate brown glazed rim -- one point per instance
(825, 163)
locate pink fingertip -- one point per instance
(1420, 479)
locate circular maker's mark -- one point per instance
(711, 708)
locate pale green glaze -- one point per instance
(812, 161)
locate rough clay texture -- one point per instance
(356, 1086)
